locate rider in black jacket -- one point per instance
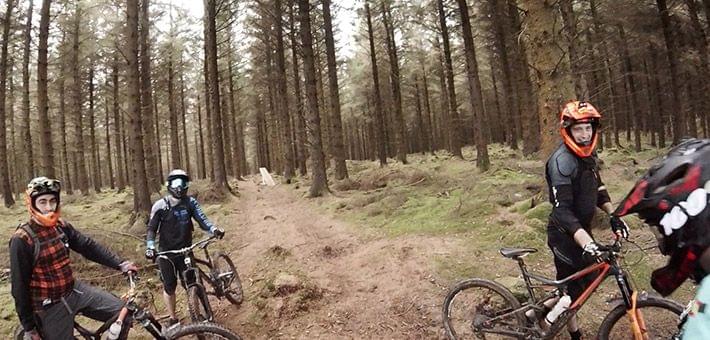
(576, 191)
(171, 218)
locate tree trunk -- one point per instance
(175, 163)
(4, 172)
(141, 197)
(183, 118)
(120, 174)
(510, 99)
(107, 125)
(431, 144)
(282, 96)
(95, 164)
(220, 175)
(679, 123)
(319, 184)
(45, 140)
(336, 125)
(552, 72)
(201, 153)
(453, 121)
(300, 121)
(700, 41)
(26, 137)
(524, 88)
(82, 182)
(152, 162)
(570, 34)
(631, 84)
(399, 125)
(474, 89)
(380, 129)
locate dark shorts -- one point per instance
(57, 320)
(170, 271)
(569, 259)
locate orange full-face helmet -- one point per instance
(576, 112)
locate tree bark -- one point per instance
(95, 163)
(510, 99)
(82, 182)
(282, 93)
(299, 119)
(220, 175)
(183, 118)
(120, 173)
(26, 136)
(379, 120)
(201, 153)
(453, 119)
(4, 172)
(552, 73)
(175, 161)
(336, 125)
(474, 88)
(152, 162)
(45, 140)
(570, 33)
(319, 183)
(141, 197)
(631, 84)
(107, 125)
(679, 122)
(399, 125)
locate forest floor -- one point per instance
(374, 258)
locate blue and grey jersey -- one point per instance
(171, 219)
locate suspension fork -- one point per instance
(630, 297)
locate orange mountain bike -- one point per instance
(480, 308)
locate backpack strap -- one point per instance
(35, 240)
(33, 236)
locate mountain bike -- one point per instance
(480, 308)
(219, 272)
(134, 311)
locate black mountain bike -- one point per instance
(135, 311)
(480, 308)
(218, 270)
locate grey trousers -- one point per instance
(58, 320)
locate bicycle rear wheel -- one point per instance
(198, 304)
(209, 331)
(481, 309)
(661, 317)
(226, 276)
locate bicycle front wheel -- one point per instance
(198, 304)
(202, 331)
(227, 278)
(661, 317)
(482, 309)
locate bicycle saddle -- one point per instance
(515, 252)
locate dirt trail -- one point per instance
(358, 284)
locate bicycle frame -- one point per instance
(606, 268)
(139, 314)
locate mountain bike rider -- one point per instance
(673, 196)
(47, 295)
(171, 217)
(575, 191)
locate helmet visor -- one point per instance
(177, 183)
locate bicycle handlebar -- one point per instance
(202, 244)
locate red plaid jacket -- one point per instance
(52, 275)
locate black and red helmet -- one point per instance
(576, 112)
(673, 197)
